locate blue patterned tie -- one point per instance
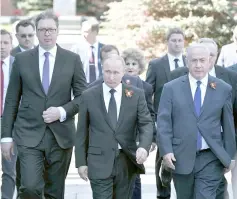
(45, 75)
(198, 104)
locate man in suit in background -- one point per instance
(8, 168)
(225, 75)
(25, 34)
(110, 50)
(158, 74)
(43, 125)
(192, 113)
(228, 54)
(89, 50)
(107, 149)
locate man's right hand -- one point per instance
(7, 150)
(168, 160)
(83, 172)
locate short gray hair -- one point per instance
(197, 45)
(92, 23)
(113, 57)
(207, 41)
(48, 14)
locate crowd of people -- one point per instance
(186, 108)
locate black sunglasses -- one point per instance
(26, 35)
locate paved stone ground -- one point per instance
(76, 188)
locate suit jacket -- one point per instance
(137, 82)
(80, 50)
(158, 74)
(25, 85)
(222, 73)
(15, 50)
(178, 123)
(97, 140)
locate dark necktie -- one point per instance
(198, 104)
(112, 110)
(45, 75)
(92, 66)
(2, 88)
(176, 62)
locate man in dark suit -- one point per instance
(192, 113)
(25, 34)
(89, 50)
(43, 125)
(158, 74)
(8, 168)
(225, 75)
(107, 149)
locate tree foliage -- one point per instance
(147, 23)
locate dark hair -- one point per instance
(106, 49)
(24, 23)
(172, 31)
(48, 14)
(5, 32)
(93, 23)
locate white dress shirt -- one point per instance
(228, 55)
(83, 49)
(52, 56)
(23, 50)
(117, 96)
(172, 62)
(203, 87)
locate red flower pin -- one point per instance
(128, 93)
(213, 85)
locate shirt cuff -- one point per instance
(6, 140)
(63, 114)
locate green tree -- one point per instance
(148, 22)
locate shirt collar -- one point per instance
(117, 88)
(52, 51)
(6, 60)
(212, 72)
(193, 81)
(171, 57)
(22, 49)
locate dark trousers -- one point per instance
(204, 180)
(18, 176)
(120, 184)
(162, 191)
(8, 176)
(137, 188)
(44, 169)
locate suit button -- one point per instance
(46, 99)
(113, 149)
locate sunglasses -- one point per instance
(26, 35)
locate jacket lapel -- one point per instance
(166, 65)
(102, 105)
(188, 94)
(100, 45)
(122, 106)
(208, 96)
(35, 67)
(10, 65)
(58, 66)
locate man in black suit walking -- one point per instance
(158, 74)
(106, 149)
(43, 126)
(25, 34)
(226, 75)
